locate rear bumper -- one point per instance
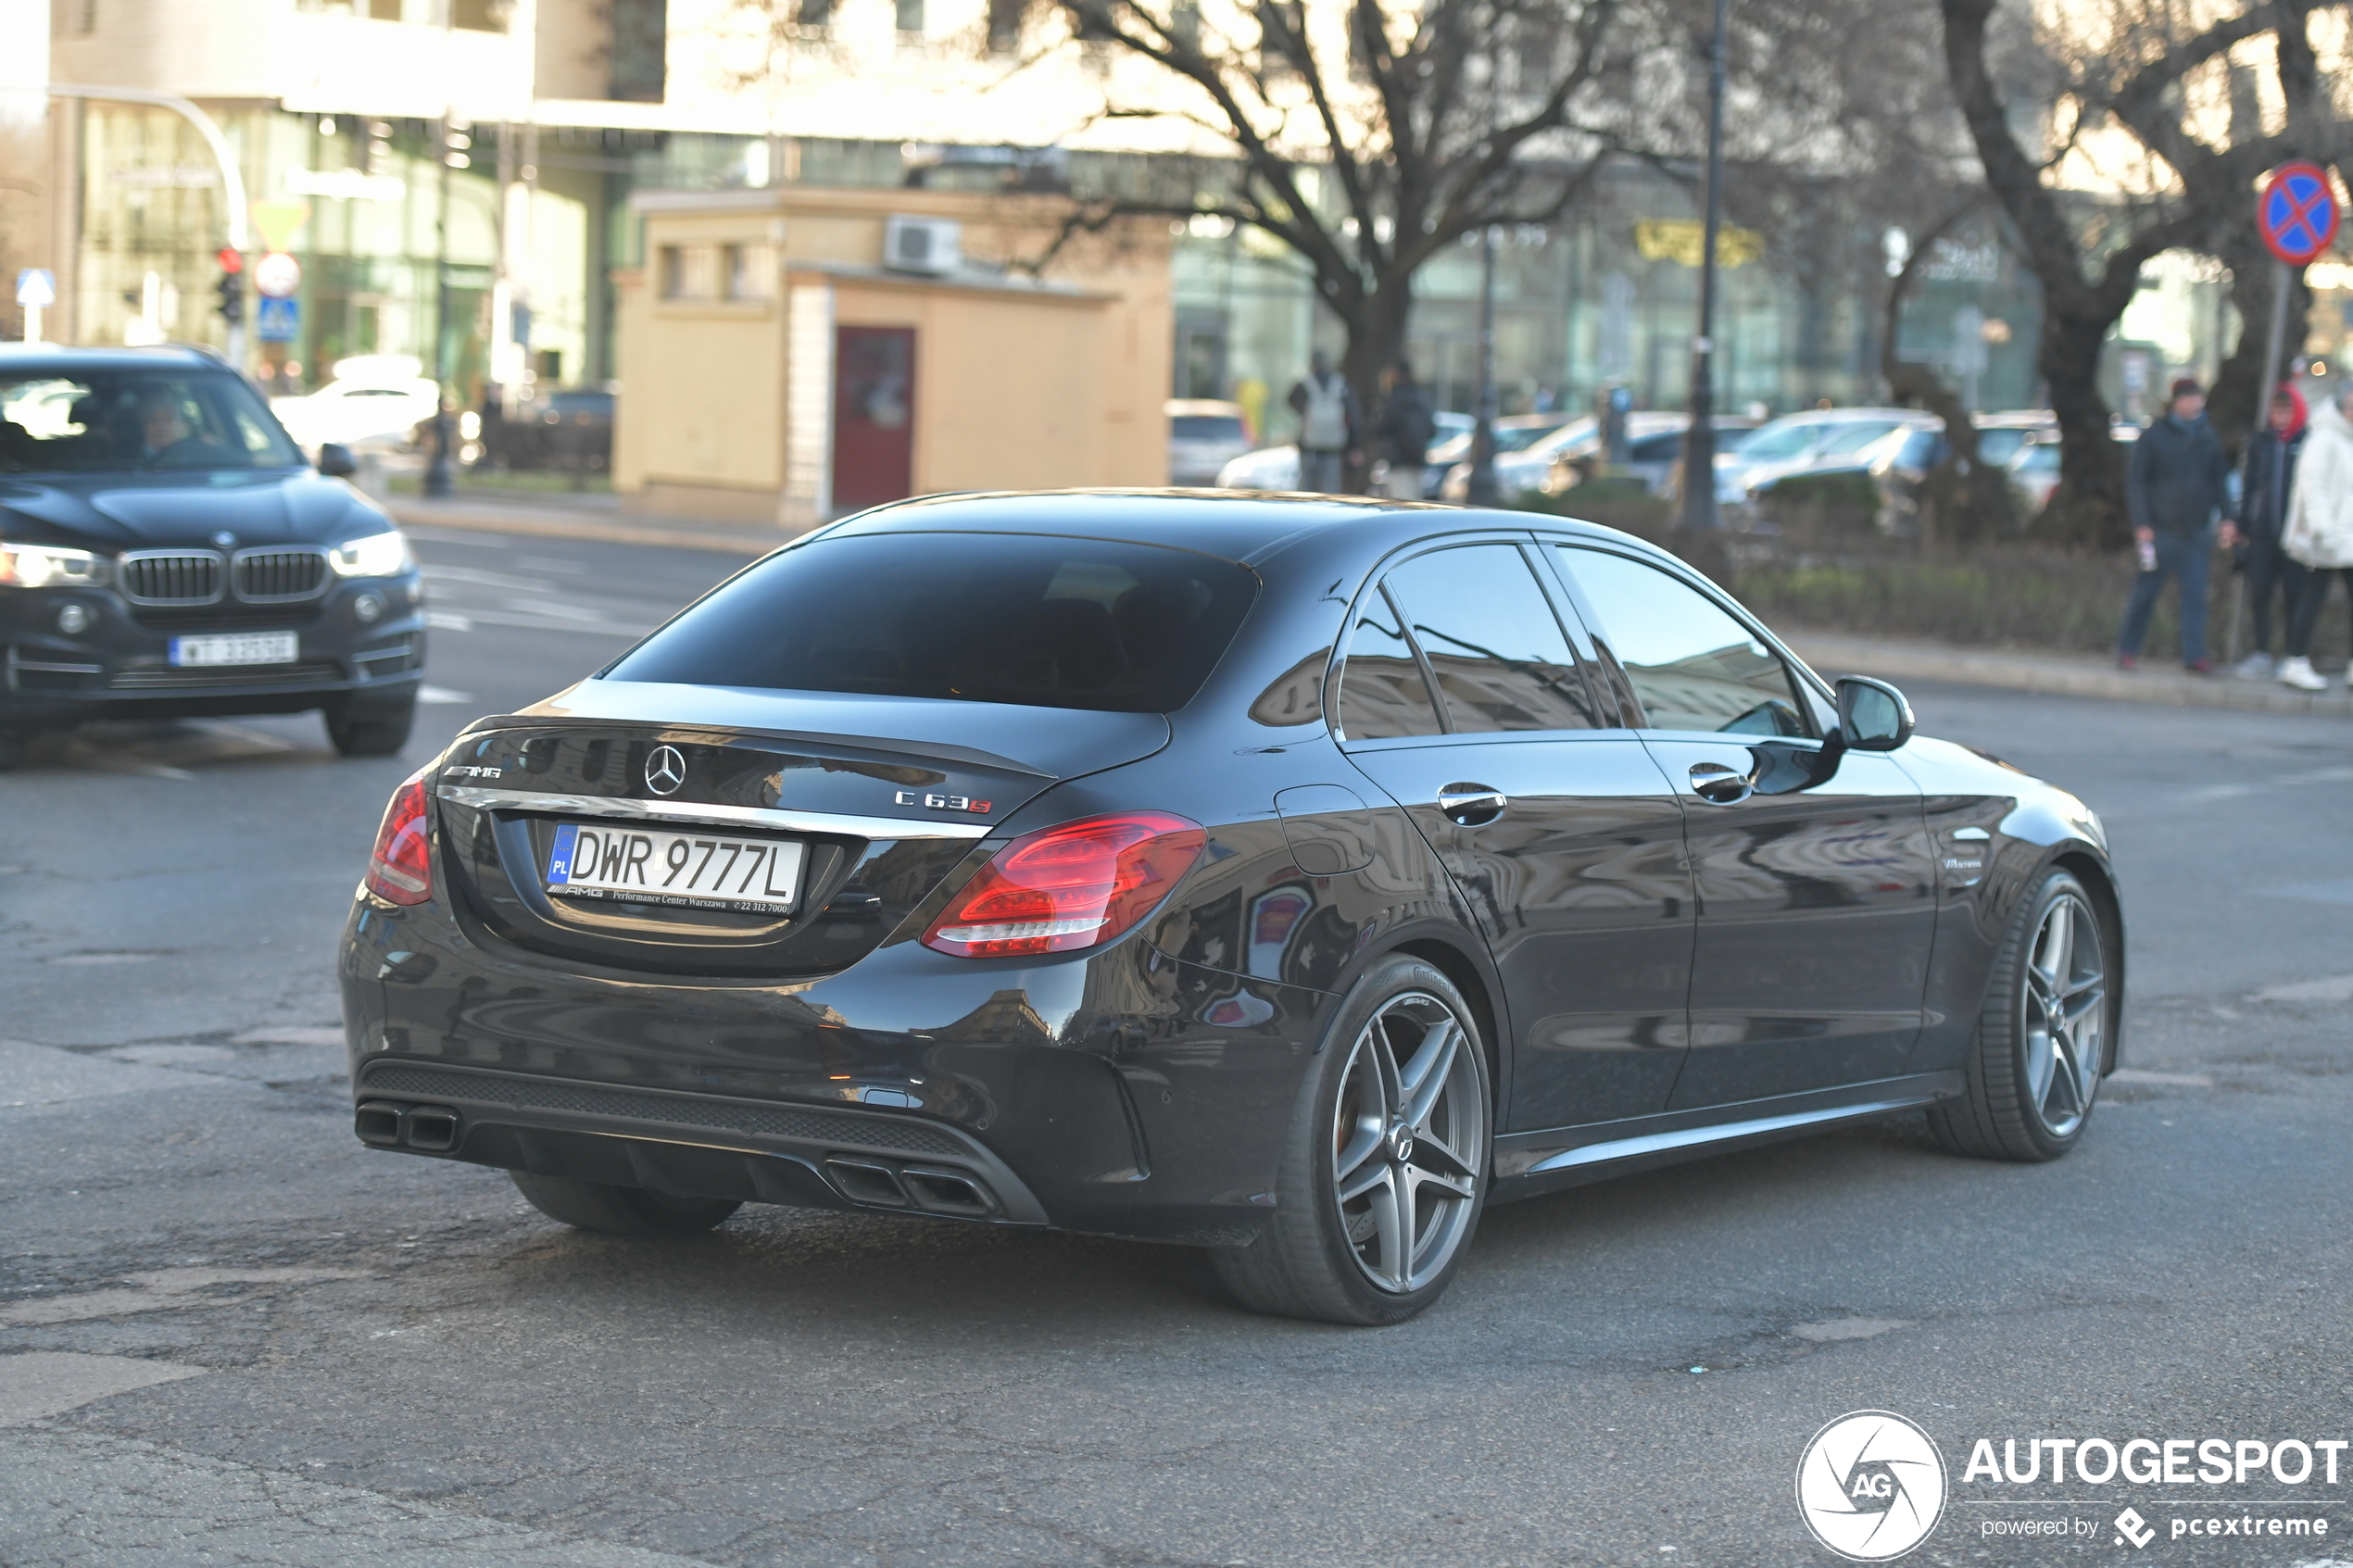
(1120, 1092)
(693, 1145)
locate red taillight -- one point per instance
(400, 872)
(1068, 886)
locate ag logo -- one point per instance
(1870, 1486)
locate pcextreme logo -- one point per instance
(1870, 1486)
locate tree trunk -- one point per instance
(2088, 507)
(1375, 342)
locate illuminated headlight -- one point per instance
(41, 565)
(374, 554)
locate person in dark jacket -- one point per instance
(2271, 573)
(1407, 425)
(2176, 486)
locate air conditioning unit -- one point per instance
(923, 244)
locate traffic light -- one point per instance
(232, 286)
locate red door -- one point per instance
(874, 415)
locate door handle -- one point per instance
(1719, 784)
(1469, 805)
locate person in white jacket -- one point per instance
(2318, 532)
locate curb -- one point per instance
(2061, 676)
(553, 524)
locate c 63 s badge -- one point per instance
(941, 802)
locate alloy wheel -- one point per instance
(1409, 1131)
(2066, 1024)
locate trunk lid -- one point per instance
(880, 798)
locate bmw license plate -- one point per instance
(689, 869)
(234, 647)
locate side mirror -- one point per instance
(336, 461)
(1873, 715)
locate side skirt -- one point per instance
(1529, 1163)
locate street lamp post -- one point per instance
(1699, 442)
(440, 476)
(1482, 491)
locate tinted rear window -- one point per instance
(979, 617)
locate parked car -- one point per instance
(1100, 864)
(1900, 462)
(165, 552)
(1826, 446)
(1524, 447)
(1654, 449)
(1794, 439)
(1269, 468)
(1277, 468)
(1203, 436)
(569, 430)
(375, 401)
(2034, 468)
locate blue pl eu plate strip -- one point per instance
(559, 862)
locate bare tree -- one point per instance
(2133, 77)
(1367, 138)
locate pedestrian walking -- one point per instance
(2271, 575)
(1407, 425)
(2175, 488)
(1325, 405)
(2319, 534)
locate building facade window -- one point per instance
(910, 19)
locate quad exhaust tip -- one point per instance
(880, 1185)
(429, 1129)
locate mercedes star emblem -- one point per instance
(665, 771)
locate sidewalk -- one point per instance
(2063, 674)
(560, 516)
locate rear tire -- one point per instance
(2045, 1034)
(593, 1206)
(1384, 1167)
(371, 731)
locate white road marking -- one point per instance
(1836, 1329)
(545, 624)
(290, 1035)
(441, 696)
(46, 1382)
(2339, 892)
(2178, 1080)
(447, 621)
(488, 579)
(2335, 988)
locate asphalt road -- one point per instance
(229, 1335)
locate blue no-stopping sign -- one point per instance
(2298, 212)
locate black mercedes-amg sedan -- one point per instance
(166, 552)
(1288, 877)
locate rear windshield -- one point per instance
(1023, 618)
(1206, 427)
(117, 420)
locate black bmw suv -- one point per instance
(166, 552)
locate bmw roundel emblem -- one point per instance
(665, 771)
(224, 538)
